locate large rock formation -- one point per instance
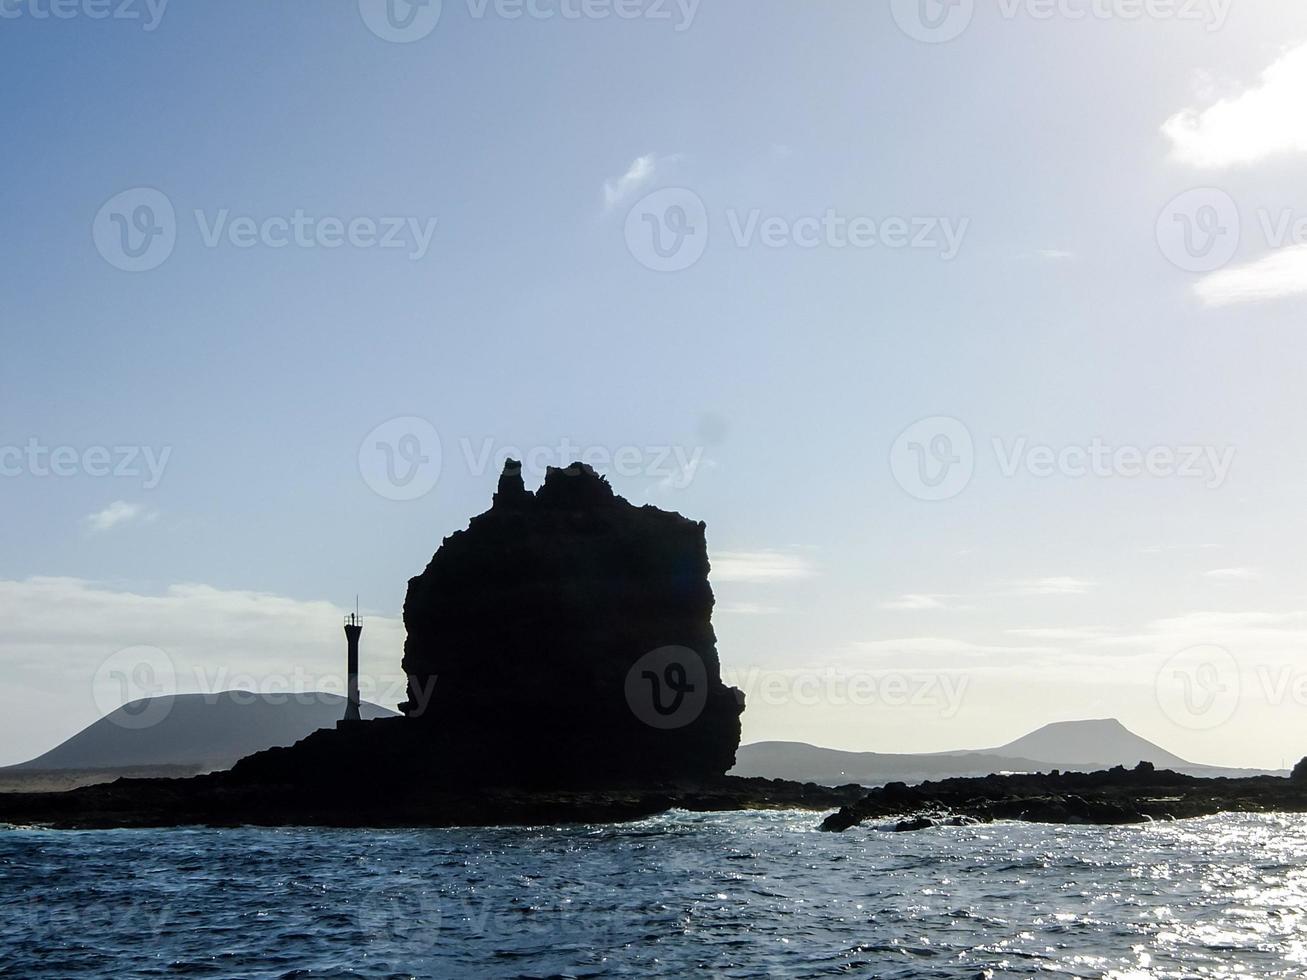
(566, 637)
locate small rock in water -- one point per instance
(909, 826)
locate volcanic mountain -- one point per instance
(203, 732)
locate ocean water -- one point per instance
(734, 895)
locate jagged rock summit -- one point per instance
(566, 637)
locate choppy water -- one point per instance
(724, 895)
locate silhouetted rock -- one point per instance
(911, 826)
(1299, 774)
(566, 638)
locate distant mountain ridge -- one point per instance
(1068, 746)
(204, 733)
(198, 731)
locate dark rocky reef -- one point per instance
(1112, 797)
(247, 797)
(565, 638)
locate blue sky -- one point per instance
(1054, 147)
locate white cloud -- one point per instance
(1277, 275)
(640, 174)
(1233, 574)
(1071, 634)
(942, 652)
(939, 644)
(1157, 549)
(1264, 121)
(759, 566)
(746, 609)
(952, 602)
(118, 512)
(1249, 634)
(1053, 585)
(1055, 254)
(920, 602)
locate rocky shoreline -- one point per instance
(1112, 797)
(230, 799)
(218, 800)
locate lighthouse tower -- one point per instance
(353, 629)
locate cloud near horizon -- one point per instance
(1051, 585)
(1233, 574)
(759, 566)
(919, 602)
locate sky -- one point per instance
(972, 330)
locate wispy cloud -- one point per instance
(640, 174)
(921, 602)
(746, 609)
(1069, 634)
(1158, 549)
(117, 513)
(760, 566)
(1053, 585)
(1247, 633)
(1055, 254)
(953, 602)
(920, 650)
(1263, 121)
(1234, 574)
(1274, 276)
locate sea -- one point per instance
(753, 894)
